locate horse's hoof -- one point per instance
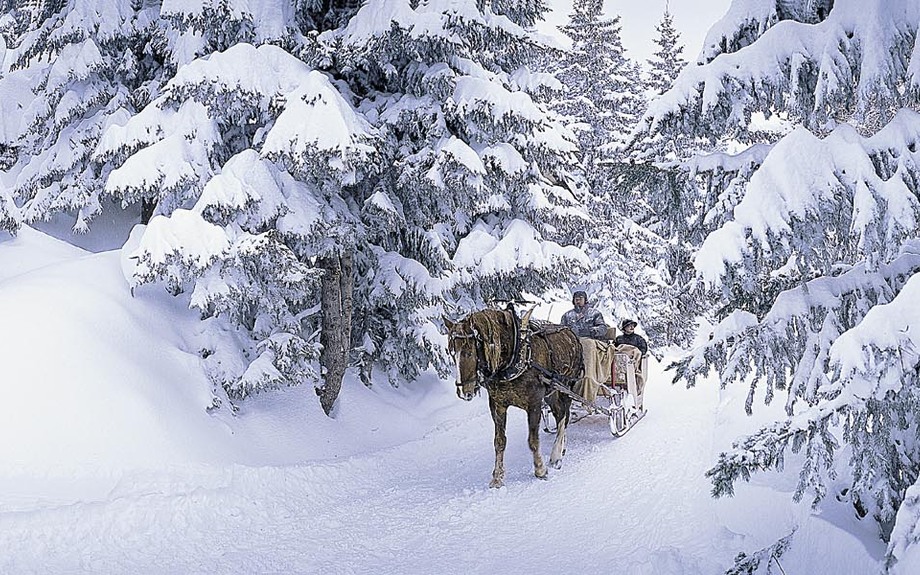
(541, 473)
(543, 477)
(496, 483)
(556, 464)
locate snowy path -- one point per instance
(630, 505)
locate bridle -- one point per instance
(480, 360)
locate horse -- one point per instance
(517, 363)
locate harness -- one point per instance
(520, 361)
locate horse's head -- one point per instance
(464, 344)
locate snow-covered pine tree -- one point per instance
(667, 61)
(476, 200)
(603, 86)
(88, 64)
(815, 271)
(248, 173)
(633, 268)
(266, 196)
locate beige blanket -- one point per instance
(598, 357)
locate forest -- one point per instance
(323, 180)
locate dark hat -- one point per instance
(580, 293)
(626, 323)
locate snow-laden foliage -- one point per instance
(747, 20)
(761, 562)
(667, 61)
(88, 65)
(247, 173)
(815, 266)
(477, 196)
(859, 62)
(207, 26)
(634, 269)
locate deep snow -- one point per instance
(111, 463)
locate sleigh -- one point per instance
(617, 394)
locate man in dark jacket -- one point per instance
(638, 349)
(629, 336)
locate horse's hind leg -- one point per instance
(533, 440)
(560, 409)
(499, 417)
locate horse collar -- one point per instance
(520, 356)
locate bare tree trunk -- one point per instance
(147, 207)
(337, 303)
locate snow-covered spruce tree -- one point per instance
(633, 268)
(247, 172)
(476, 197)
(815, 272)
(84, 65)
(667, 61)
(602, 93)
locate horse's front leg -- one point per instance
(533, 440)
(561, 414)
(499, 417)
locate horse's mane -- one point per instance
(491, 324)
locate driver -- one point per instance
(588, 324)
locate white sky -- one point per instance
(692, 18)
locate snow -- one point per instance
(15, 96)
(317, 118)
(112, 463)
(433, 18)
(76, 61)
(184, 234)
(471, 94)
(518, 246)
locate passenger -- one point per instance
(588, 324)
(634, 345)
(630, 337)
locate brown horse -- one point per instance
(517, 363)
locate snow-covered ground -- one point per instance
(111, 463)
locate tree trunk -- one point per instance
(337, 303)
(147, 207)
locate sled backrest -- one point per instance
(623, 364)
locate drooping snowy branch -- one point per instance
(855, 62)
